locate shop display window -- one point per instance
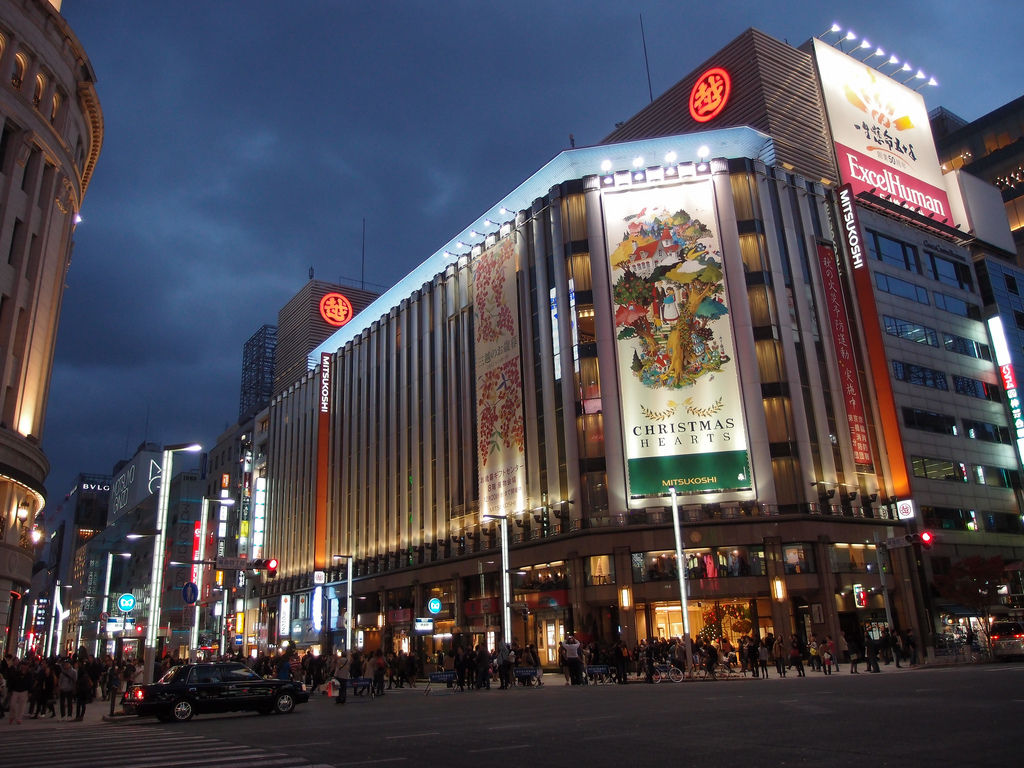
(599, 570)
(542, 577)
(854, 558)
(799, 558)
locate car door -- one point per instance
(244, 689)
(206, 687)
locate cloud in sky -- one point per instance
(246, 142)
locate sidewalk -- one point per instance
(94, 714)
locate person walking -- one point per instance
(871, 645)
(762, 658)
(19, 680)
(854, 651)
(572, 657)
(66, 690)
(779, 655)
(796, 656)
(379, 668)
(84, 690)
(341, 675)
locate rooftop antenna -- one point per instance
(362, 266)
(647, 64)
(310, 273)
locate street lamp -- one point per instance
(106, 595)
(348, 603)
(681, 571)
(506, 583)
(156, 583)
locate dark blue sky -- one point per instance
(246, 141)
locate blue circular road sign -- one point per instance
(190, 593)
(126, 602)
(434, 605)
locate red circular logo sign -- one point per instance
(710, 94)
(336, 309)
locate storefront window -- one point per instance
(713, 563)
(654, 566)
(854, 558)
(543, 577)
(599, 570)
(799, 558)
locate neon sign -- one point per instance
(710, 94)
(336, 309)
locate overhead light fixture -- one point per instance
(670, 157)
(638, 162)
(703, 151)
(606, 165)
(850, 35)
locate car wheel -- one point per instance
(284, 703)
(182, 711)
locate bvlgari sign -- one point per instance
(881, 132)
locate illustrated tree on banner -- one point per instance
(668, 295)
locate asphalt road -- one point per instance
(959, 716)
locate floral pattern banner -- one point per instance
(681, 405)
(499, 387)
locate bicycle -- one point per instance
(667, 672)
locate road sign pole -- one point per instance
(881, 551)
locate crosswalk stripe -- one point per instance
(122, 747)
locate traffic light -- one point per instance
(926, 539)
(268, 564)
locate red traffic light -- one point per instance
(926, 538)
(269, 565)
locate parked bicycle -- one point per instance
(667, 672)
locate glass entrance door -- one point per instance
(549, 640)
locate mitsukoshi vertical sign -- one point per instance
(681, 405)
(499, 387)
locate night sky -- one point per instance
(245, 142)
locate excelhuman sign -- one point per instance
(681, 406)
(881, 132)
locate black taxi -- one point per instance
(198, 689)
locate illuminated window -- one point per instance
(905, 329)
(919, 375)
(932, 468)
(20, 65)
(37, 95)
(799, 558)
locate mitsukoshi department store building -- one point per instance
(674, 308)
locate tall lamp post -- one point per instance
(156, 583)
(106, 595)
(681, 571)
(506, 584)
(348, 602)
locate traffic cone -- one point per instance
(330, 686)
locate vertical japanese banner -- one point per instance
(681, 405)
(842, 341)
(499, 388)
